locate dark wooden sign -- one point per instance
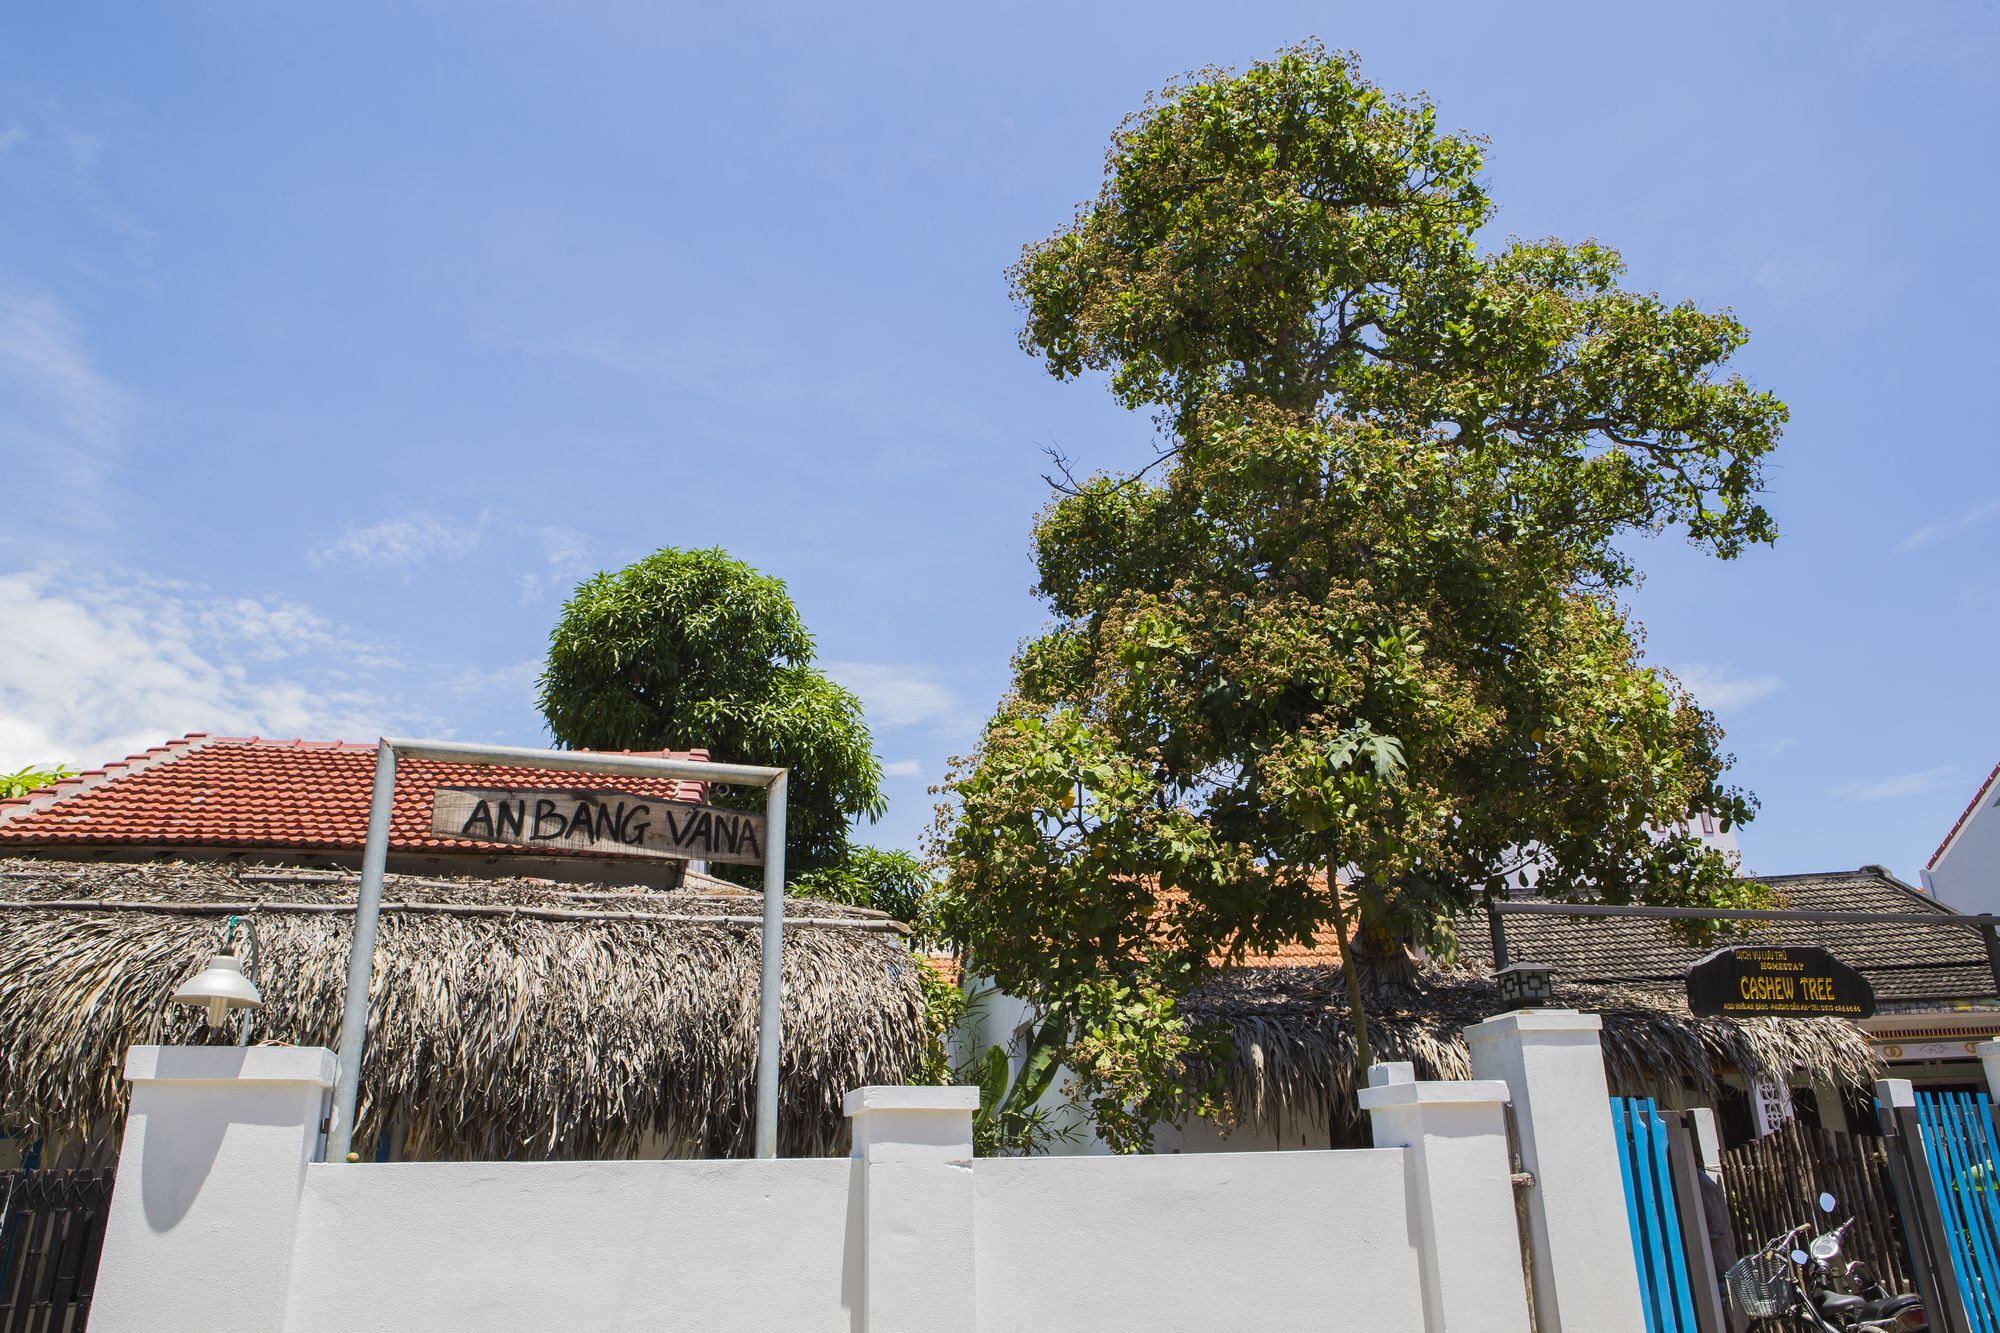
(1783, 981)
(607, 823)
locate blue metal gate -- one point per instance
(1651, 1208)
(1961, 1150)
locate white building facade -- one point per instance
(1964, 872)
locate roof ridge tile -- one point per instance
(1964, 815)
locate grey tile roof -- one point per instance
(1905, 963)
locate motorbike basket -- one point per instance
(1760, 1284)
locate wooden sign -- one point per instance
(1786, 981)
(606, 823)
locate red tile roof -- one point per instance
(253, 792)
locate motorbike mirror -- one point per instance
(1800, 1257)
(1826, 1202)
(1825, 1247)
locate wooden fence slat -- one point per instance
(1773, 1183)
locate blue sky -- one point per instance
(338, 342)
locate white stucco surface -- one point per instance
(1553, 1065)
(221, 1223)
(1965, 873)
(1461, 1202)
(504, 1246)
(202, 1221)
(1196, 1241)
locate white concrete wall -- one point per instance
(202, 1221)
(1586, 1279)
(1235, 1241)
(221, 1223)
(443, 1246)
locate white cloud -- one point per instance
(1893, 788)
(515, 680)
(95, 671)
(903, 768)
(397, 544)
(898, 695)
(565, 563)
(1722, 688)
(1942, 528)
(68, 409)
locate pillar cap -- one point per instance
(1895, 1092)
(1987, 1050)
(1457, 1092)
(230, 1064)
(1534, 1020)
(880, 1098)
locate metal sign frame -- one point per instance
(375, 859)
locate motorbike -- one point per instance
(1784, 1279)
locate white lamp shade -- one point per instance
(220, 987)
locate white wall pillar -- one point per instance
(1461, 1196)
(209, 1178)
(1586, 1280)
(917, 1203)
(1989, 1056)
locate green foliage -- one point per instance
(24, 780)
(1363, 616)
(694, 649)
(892, 882)
(944, 1014)
(1135, 1059)
(1010, 1120)
(1297, 235)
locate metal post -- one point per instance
(375, 857)
(361, 955)
(770, 988)
(1496, 927)
(1691, 1213)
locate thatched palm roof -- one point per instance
(1294, 1049)
(510, 1017)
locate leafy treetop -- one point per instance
(695, 649)
(1297, 234)
(1363, 621)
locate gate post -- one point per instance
(1454, 1136)
(1916, 1195)
(1586, 1279)
(207, 1200)
(915, 1149)
(1989, 1057)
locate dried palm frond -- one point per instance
(1294, 1053)
(510, 1018)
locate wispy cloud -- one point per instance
(97, 670)
(901, 695)
(397, 544)
(11, 137)
(516, 680)
(67, 404)
(1943, 528)
(565, 562)
(1896, 787)
(1723, 688)
(903, 768)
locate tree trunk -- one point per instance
(1357, 1014)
